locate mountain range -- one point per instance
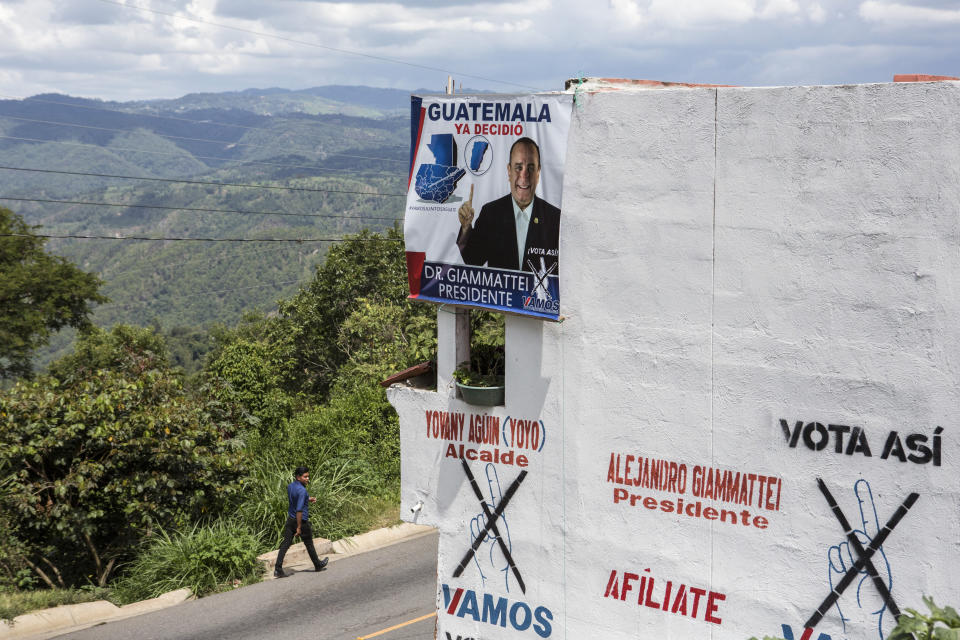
(308, 165)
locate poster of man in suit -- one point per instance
(482, 224)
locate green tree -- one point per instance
(252, 366)
(187, 347)
(39, 294)
(98, 464)
(123, 349)
(368, 266)
(381, 338)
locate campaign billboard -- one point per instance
(482, 221)
(746, 425)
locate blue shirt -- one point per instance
(298, 500)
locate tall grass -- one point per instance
(263, 505)
(341, 484)
(205, 558)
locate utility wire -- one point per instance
(148, 239)
(315, 45)
(193, 295)
(203, 210)
(192, 263)
(209, 183)
(206, 140)
(183, 155)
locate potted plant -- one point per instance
(476, 388)
(480, 381)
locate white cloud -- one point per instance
(791, 66)
(816, 13)
(458, 24)
(696, 13)
(98, 49)
(904, 15)
(774, 9)
(628, 12)
(706, 14)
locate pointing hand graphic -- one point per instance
(465, 212)
(862, 608)
(489, 558)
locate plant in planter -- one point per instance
(480, 381)
(466, 377)
(480, 389)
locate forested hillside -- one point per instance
(117, 470)
(306, 161)
(152, 449)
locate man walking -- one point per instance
(298, 522)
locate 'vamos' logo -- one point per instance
(466, 604)
(540, 298)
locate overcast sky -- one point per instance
(97, 48)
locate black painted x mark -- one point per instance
(491, 523)
(863, 555)
(541, 278)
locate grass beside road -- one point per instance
(375, 513)
(191, 557)
(15, 603)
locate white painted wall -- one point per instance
(743, 256)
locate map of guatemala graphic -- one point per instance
(437, 182)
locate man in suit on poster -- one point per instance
(519, 231)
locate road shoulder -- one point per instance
(49, 623)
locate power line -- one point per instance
(192, 263)
(201, 293)
(206, 140)
(203, 210)
(318, 46)
(148, 239)
(208, 183)
(185, 154)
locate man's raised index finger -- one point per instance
(868, 508)
(470, 199)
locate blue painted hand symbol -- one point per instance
(489, 556)
(861, 608)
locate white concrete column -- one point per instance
(453, 345)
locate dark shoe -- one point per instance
(279, 574)
(322, 565)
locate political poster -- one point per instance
(482, 222)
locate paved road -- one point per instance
(356, 596)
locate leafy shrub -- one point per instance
(357, 429)
(124, 349)
(916, 626)
(204, 558)
(251, 372)
(101, 462)
(381, 338)
(15, 573)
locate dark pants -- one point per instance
(306, 534)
